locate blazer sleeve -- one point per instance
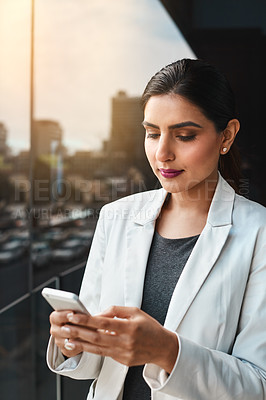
(85, 365)
(205, 374)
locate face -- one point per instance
(181, 144)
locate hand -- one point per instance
(133, 339)
(58, 321)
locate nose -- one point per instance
(165, 150)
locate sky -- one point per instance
(85, 52)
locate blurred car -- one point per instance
(41, 254)
(70, 249)
(55, 235)
(63, 255)
(4, 236)
(9, 256)
(85, 237)
(12, 245)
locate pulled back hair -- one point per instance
(206, 87)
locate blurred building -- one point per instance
(126, 129)
(4, 149)
(47, 153)
(90, 164)
(47, 137)
(126, 145)
(5, 167)
(22, 162)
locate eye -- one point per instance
(152, 135)
(186, 138)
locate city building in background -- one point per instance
(4, 149)
(127, 133)
(47, 152)
(125, 148)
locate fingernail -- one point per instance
(65, 329)
(70, 316)
(69, 346)
(74, 319)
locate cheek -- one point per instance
(202, 155)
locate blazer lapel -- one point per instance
(197, 268)
(204, 254)
(139, 238)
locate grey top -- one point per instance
(166, 261)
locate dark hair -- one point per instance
(205, 86)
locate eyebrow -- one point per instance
(175, 126)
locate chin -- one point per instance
(171, 187)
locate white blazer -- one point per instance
(218, 308)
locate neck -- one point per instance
(197, 198)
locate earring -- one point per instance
(224, 149)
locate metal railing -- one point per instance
(24, 334)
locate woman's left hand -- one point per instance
(127, 334)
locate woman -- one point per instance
(176, 277)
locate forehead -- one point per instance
(172, 109)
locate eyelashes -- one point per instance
(152, 135)
(187, 138)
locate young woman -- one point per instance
(176, 277)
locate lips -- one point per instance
(170, 173)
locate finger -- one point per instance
(98, 322)
(103, 338)
(59, 331)
(68, 348)
(100, 350)
(59, 317)
(89, 348)
(115, 351)
(120, 312)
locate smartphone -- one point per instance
(61, 300)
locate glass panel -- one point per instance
(16, 353)
(87, 139)
(14, 149)
(45, 380)
(73, 389)
(93, 60)
(71, 280)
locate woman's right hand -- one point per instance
(59, 331)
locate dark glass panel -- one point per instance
(74, 389)
(71, 280)
(14, 150)
(45, 380)
(17, 373)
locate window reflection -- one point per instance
(86, 151)
(14, 217)
(62, 224)
(14, 150)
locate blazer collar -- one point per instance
(220, 212)
(152, 207)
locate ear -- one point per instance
(228, 135)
